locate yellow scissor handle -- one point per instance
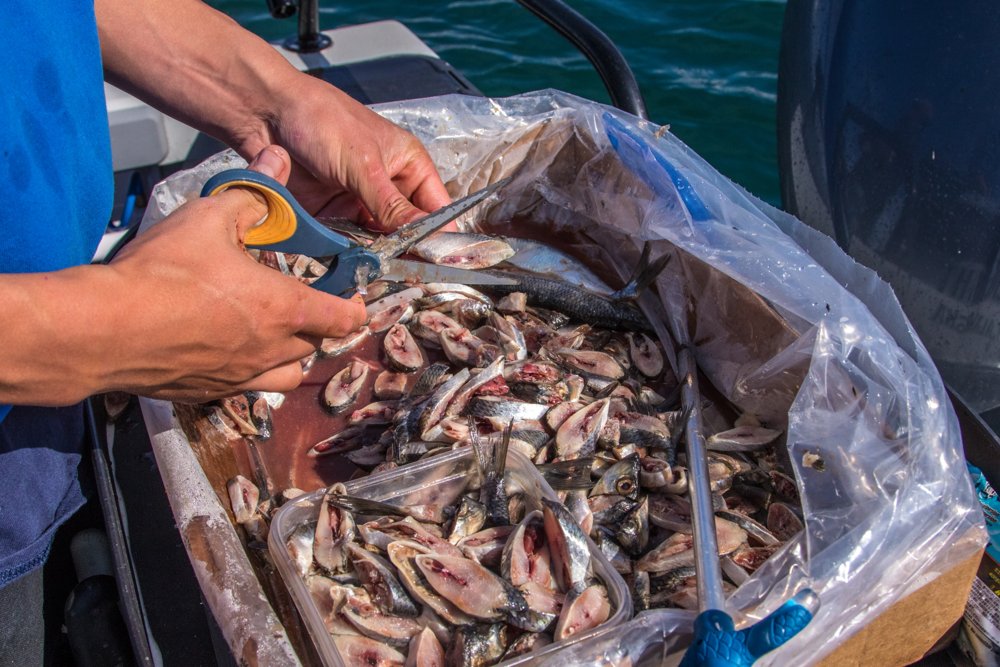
(281, 220)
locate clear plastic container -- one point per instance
(655, 638)
(442, 478)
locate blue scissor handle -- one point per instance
(288, 228)
(717, 643)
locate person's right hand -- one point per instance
(204, 319)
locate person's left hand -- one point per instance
(340, 147)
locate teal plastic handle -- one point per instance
(289, 228)
(717, 643)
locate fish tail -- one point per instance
(500, 452)
(645, 273)
(479, 447)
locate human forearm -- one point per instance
(51, 342)
(182, 312)
(197, 65)
(201, 67)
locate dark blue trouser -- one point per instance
(22, 627)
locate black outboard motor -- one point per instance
(889, 141)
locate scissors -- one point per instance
(288, 228)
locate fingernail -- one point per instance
(267, 162)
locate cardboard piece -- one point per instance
(912, 626)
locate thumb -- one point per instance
(272, 161)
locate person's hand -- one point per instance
(348, 160)
(340, 148)
(213, 321)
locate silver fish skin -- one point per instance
(478, 645)
(381, 583)
(678, 549)
(492, 465)
(430, 378)
(540, 258)
(469, 519)
(620, 479)
(633, 532)
(503, 407)
(515, 346)
(466, 291)
(357, 607)
(402, 554)
(335, 530)
(639, 589)
(576, 503)
(663, 586)
(381, 534)
(299, 546)
(567, 545)
(343, 388)
(471, 587)
(401, 351)
(476, 381)
(463, 250)
(606, 542)
(578, 303)
(577, 435)
(527, 643)
(436, 406)
(331, 347)
(463, 348)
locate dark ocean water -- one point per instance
(706, 67)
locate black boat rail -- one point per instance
(591, 41)
(607, 59)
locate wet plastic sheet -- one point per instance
(784, 324)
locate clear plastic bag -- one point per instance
(784, 324)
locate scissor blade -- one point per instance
(405, 271)
(401, 240)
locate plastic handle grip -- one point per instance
(717, 643)
(342, 278)
(281, 220)
(287, 226)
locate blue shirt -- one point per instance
(56, 185)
